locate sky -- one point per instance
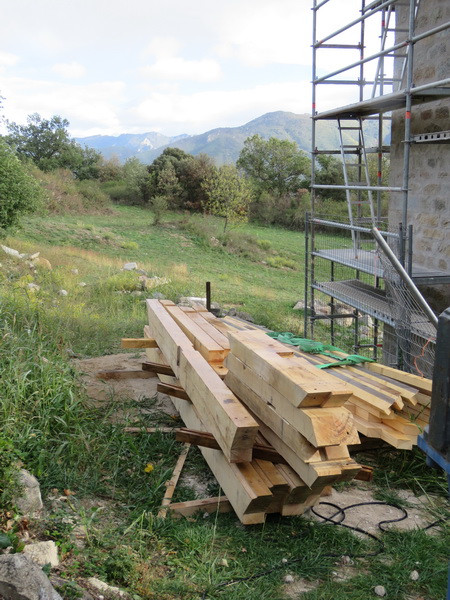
(172, 66)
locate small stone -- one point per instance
(223, 562)
(288, 579)
(206, 515)
(82, 284)
(284, 560)
(74, 271)
(101, 586)
(414, 575)
(30, 501)
(380, 590)
(130, 266)
(158, 296)
(33, 287)
(63, 292)
(346, 560)
(43, 553)
(299, 306)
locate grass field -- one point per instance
(69, 444)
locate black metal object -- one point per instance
(208, 296)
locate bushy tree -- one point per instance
(228, 195)
(329, 172)
(46, 142)
(19, 191)
(274, 166)
(136, 177)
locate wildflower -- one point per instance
(149, 468)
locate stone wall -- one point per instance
(429, 174)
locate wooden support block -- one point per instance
(172, 390)
(201, 341)
(365, 474)
(320, 426)
(296, 379)
(172, 483)
(207, 440)
(138, 343)
(124, 374)
(219, 504)
(222, 413)
(155, 368)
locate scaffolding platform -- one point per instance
(383, 104)
(367, 261)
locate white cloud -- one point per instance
(71, 70)
(7, 59)
(162, 47)
(176, 67)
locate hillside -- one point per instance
(224, 143)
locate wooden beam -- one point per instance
(172, 483)
(295, 378)
(124, 374)
(138, 343)
(210, 330)
(150, 429)
(319, 425)
(222, 413)
(156, 368)
(421, 383)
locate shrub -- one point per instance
(159, 205)
(94, 198)
(20, 193)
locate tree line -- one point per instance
(269, 182)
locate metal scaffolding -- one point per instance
(341, 260)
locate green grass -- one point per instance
(66, 442)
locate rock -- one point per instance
(74, 271)
(66, 587)
(414, 575)
(34, 256)
(380, 590)
(22, 579)
(284, 560)
(288, 579)
(364, 331)
(63, 292)
(346, 560)
(241, 315)
(101, 586)
(232, 312)
(43, 553)
(300, 305)
(43, 262)
(29, 502)
(12, 252)
(33, 287)
(158, 296)
(82, 284)
(223, 562)
(130, 266)
(136, 293)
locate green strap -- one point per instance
(313, 347)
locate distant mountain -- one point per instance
(225, 143)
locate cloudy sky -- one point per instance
(116, 66)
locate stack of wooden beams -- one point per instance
(250, 391)
(386, 403)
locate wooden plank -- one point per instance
(138, 343)
(300, 382)
(124, 374)
(172, 390)
(155, 368)
(319, 425)
(210, 330)
(205, 344)
(238, 489)
(385, 433)
(421, 383)
(222, 413)
(219, 504)
(150, 429)
(172, 483)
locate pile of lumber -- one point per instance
(386, 403)
(277, 426)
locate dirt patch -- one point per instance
(135, 389)
(298, 587)
(367, 517)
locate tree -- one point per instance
(19, 191)
(275, 166)
(228, 195)
(329, 172)
(136, 178)
(46, 142)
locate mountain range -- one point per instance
(225, 143)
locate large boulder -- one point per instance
(43, 553)
(22, 579)
(30, 501)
